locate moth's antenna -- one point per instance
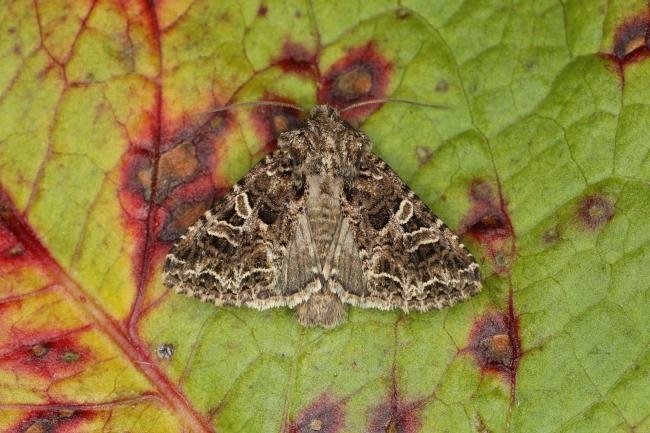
(382, 100)
(258, 103)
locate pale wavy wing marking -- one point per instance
(410, 259)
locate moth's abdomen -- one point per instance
(323, 214)
(323, 223)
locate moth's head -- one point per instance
(327, 145)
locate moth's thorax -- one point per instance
(326, 145)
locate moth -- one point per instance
(319, 223)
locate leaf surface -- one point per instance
(110, 147)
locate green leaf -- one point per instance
(110, 148)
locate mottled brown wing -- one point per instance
(408, 256)
(251, 248)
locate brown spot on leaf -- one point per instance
(54, 421)
(17, 250)
(262, 11)
(500, 347)
(551, 235)
(163, 189)
(177, 165)
(50, 358)
(394, 417)
(19, 245)
(10, 247)
(184, 215)
(70, 356)
(39, 350)
(297, 59)
(402, 13)
(595, 211)
(354, 83)
(189, 155)
(494, 342)
(442, 86)
(136, 181)
(631, 40)
(325, 415)
(270, 121)
(361, 75)
(423, 154)
(186, 157)
(489, 223)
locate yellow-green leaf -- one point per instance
(110, 146)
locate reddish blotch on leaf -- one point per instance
(324, 415)
(361, 75)
(488, 222)
(595, 211)
(495, 343)
(632, 40)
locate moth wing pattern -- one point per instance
(251, 248)
(409, 258)
(320, 222)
